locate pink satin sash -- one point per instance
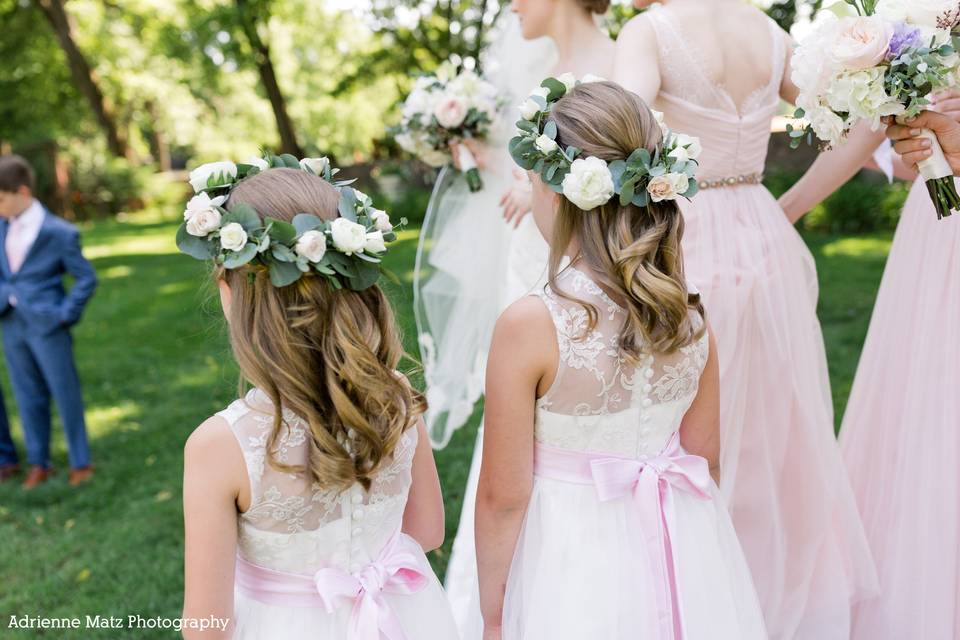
(651, 482)
(399, 569)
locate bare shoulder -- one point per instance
(637, 29)
(212, 450)
(527, 317)
(212, 436)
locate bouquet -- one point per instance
(448, 107)
(885, 61)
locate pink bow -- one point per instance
(395, 571)
(652, 481)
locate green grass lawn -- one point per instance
(155, 363)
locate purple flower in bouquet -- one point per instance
(904, 37)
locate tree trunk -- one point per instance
(83, 75)
(158, 141)
(261, 55)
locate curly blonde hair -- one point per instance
(635, 251)
(329, 356)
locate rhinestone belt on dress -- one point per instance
(732, 181)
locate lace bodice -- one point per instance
(599, 401)
(734, 137)
(294, 525)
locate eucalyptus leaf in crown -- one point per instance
(589, 182)
(347, 250)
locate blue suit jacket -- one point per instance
(38, 287)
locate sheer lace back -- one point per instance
(599, 400)
(295, 525)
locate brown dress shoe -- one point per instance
(37, 475)
(80, 475)
(8, 471)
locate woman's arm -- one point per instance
(700, 428)
(214, 474)
(423, 518)
(523, 351)
(636, 64)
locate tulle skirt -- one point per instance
(581, 570)
(901, 433)
(782, 474)
(424, 615)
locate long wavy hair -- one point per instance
(634, 251)
(328, 356)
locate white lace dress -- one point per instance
(626, 535)
(376, 579)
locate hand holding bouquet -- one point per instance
(885, 61)
(448, 107)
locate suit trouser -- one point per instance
(41, 366)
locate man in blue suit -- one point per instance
(36, 312)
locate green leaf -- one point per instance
(348, 204)
(640, 157)
(366, 276)
(235, 259)
(303, 222)
(281, 231)
(245, 215)
(283, 273)
(193, 246)
(557, 88)
(343, 264)
(617, 169)
(550, 130)
(641, 198)
(290, 161)
(283, 253)
(626, 193)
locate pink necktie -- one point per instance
(15, 252)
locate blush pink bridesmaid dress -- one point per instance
(782, 473)
(901, 433)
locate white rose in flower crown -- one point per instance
(861, 42)
(381, 220)
(233, 236)
(591, 78)
(312, 245)
(451, 111)
(589, 183)
(348, 236)
(203, 222)
(223, 173)
(202, 202)
(687, 148)
(543, 92)
(259, 163)
(529, 109)
(668, 186)
(568, 80)
(317, 165)
(375, 243)
(545, 144)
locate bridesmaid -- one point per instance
(581, 49)
(899, 436)
(782, 473)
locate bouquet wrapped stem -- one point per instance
(938, 175)
(468, 165)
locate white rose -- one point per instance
(203, 222)
(666, 187)
(687, 148)
(317, 165)
(374, 243)
(861, 42)
(361, 196)
(827, 125)
(312, 245)
(591, 78)
(568, 80)
(922, 13)
(348, 237)
(381, 220)
(202, 202)
(589, 183)
(546, 144)
(451, 111)
(223, 173)
(529, 109)
(543, 92)
(233, 237)
(259, 163)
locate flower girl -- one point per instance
(309, 502)
(597, 516)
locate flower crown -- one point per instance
(590, 182)
(346, 250)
